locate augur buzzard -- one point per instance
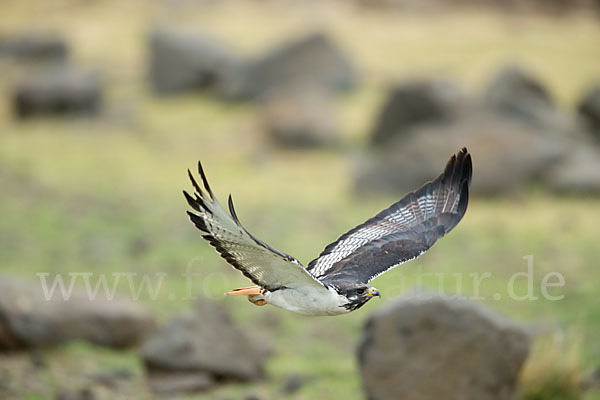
(336, 282)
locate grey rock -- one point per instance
(81, 394)
(204, 340)
(516, 93)
(578, 172)
(58, 89)
(314, 61)
(29, 320)
(181, 382)
(415, 103)
(185, 61)
(507, 155)
(430, 347)
(294, 383)
(588, 110)
(301, 117)
(35, 47)
(112, 379)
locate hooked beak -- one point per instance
(373, 292)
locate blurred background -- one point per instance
(314, 115)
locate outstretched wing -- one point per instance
(401, 232)
(262, 264)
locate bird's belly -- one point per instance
(307, 302)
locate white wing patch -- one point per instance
(434, 200)
(374, 229)
(351, 243)
(394, 221)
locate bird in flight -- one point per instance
(336, 282)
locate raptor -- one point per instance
(337, 281)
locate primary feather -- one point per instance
(401, 232)
(336, 281)
(262, 264)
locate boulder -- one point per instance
(294, 383)
(80, 394)
(314, 60)
(180, 382)
(301, 118)
(432, 347)
(578, 172)
(506, 156)
(204, 343)
(28, 319)
(58, 90)
(415, 103)
(588, 110)
(184, 61)
(516, 93)
(35, 47)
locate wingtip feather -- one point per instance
(232, 210)
(469, 167)
(191, 201)
(197, 221)
(458, 167)
(204, 180)
(194, 183)
(464, 198)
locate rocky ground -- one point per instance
(315, 120)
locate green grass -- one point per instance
(554, 371)
(104, 195)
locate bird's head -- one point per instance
(358, 294)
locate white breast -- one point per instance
(308, 301)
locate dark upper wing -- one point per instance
(265, 266)
(401, 232)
